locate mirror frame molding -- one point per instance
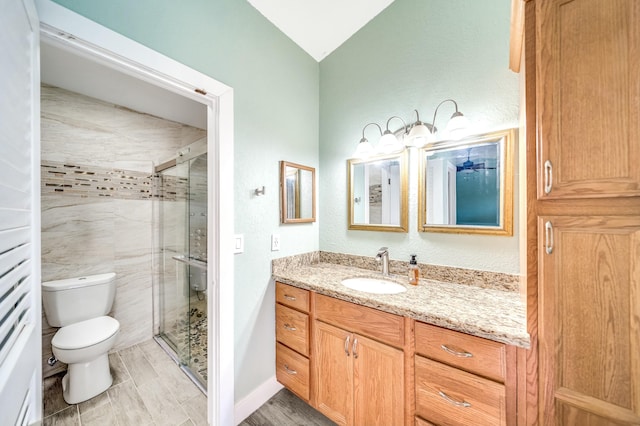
(403, 157)
(283, 193)
(505, 228)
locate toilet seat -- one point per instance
(85, 333)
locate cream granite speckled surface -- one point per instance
(484, 312)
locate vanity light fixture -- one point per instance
(389, 142)
(420, 133)
(365, 149)
(458, 123)
(417, 134)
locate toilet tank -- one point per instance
(77, 299)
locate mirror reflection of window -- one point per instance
(463, 186)
(466, 186)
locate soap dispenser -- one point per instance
(414, 272)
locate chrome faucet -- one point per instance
(383, 255)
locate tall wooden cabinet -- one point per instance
(582, 61)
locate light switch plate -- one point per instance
(238, 243)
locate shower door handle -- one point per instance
(191, 262)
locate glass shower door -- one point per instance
(182, 276)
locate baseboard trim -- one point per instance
(256, 399)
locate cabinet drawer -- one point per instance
(421, 422)
(381, 326)
(294, 297)
(451, 397)
(474, 354)
(292, 329)
(292, 370)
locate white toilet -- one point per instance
(79, 306)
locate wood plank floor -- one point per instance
(286, 409)
(148, 389)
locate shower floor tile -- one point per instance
(190, 333)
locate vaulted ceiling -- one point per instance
(319, 26)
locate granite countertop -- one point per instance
(490, 313)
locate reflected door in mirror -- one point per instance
(378, 190)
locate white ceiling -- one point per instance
(66, 69)
(319, 26)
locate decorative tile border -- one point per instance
(448, 274)
(88, 181)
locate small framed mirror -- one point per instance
(298, 193)
(466, 186)
(378, 193)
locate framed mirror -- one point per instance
(466, 186)
(297, 193)
(378, 193)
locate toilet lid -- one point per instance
(85, 333)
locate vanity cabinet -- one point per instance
(292, 339)
(358, 374)
(462, 380)
(364, 367)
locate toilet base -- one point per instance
(85, 380)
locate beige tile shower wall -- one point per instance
(97, 212)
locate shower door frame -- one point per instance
(73, 32)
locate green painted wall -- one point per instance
(413, 55)
(288, 107)
(276, 118)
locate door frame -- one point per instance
(84, 37)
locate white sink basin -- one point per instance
(374, 285)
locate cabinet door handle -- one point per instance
(355, 348)
(548, 176)
(452, 401)
(290, 327)
(290, 371)
(548, 237)
(289, 297)
(463, 354)
(346, 345)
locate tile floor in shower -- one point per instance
(190, 332)
(148, 389)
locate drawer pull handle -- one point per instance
(290, 371)
(290, 327)
(355, 348)
(346, 345)
(450, 400)
(289, 297)
(463, 354)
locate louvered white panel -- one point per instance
(20, 315)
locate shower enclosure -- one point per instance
(180, 281)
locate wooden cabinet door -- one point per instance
(333, 373)
(589, 327)
(378, 372)
(588, 98)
